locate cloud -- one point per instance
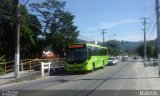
(111, 24)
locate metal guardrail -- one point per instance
(30, 69)
(26, 64)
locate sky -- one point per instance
(121, 18)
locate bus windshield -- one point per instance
(76, 55)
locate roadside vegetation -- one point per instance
(46, 24)
(150, 49)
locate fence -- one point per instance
(27, 64)
(29, 69)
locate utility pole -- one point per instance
(144, 24)
(103, 32)
(158, 33)
(17, 41)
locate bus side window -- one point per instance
(95, 51)
(107, 52)
(89, 53)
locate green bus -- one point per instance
(85, 57)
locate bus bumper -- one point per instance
(76, 69)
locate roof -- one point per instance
(91, 45)
(96, 45)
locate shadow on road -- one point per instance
(120, 78)
(63, 73)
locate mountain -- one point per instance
(125, 45)
(91, 42)
(130, 45)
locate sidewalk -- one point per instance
(153, 77)
(25, 75)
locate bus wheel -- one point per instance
(93, 67)
(103, 65)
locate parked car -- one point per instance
(112, 61)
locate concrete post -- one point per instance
(42, 69)
(151, 61)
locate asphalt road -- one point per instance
(109, 81)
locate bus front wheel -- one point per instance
(103, 66)
(93, 67)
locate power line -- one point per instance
(150, 25)
(103, 11)
(152, 31)
(108, 10)
(126, 8)
(152, 16)
(144, 8)
(152, 19)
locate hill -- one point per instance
(126, 45)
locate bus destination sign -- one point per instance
(76, 46)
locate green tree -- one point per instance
(149, 50)
(35, 25)
(31, 46)
(113, 44)
(113, 47)
(47, 11)
(58, 25)
(113, 51)
(7, 30)
(7, 27)
(63, 32)
(140, 50)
